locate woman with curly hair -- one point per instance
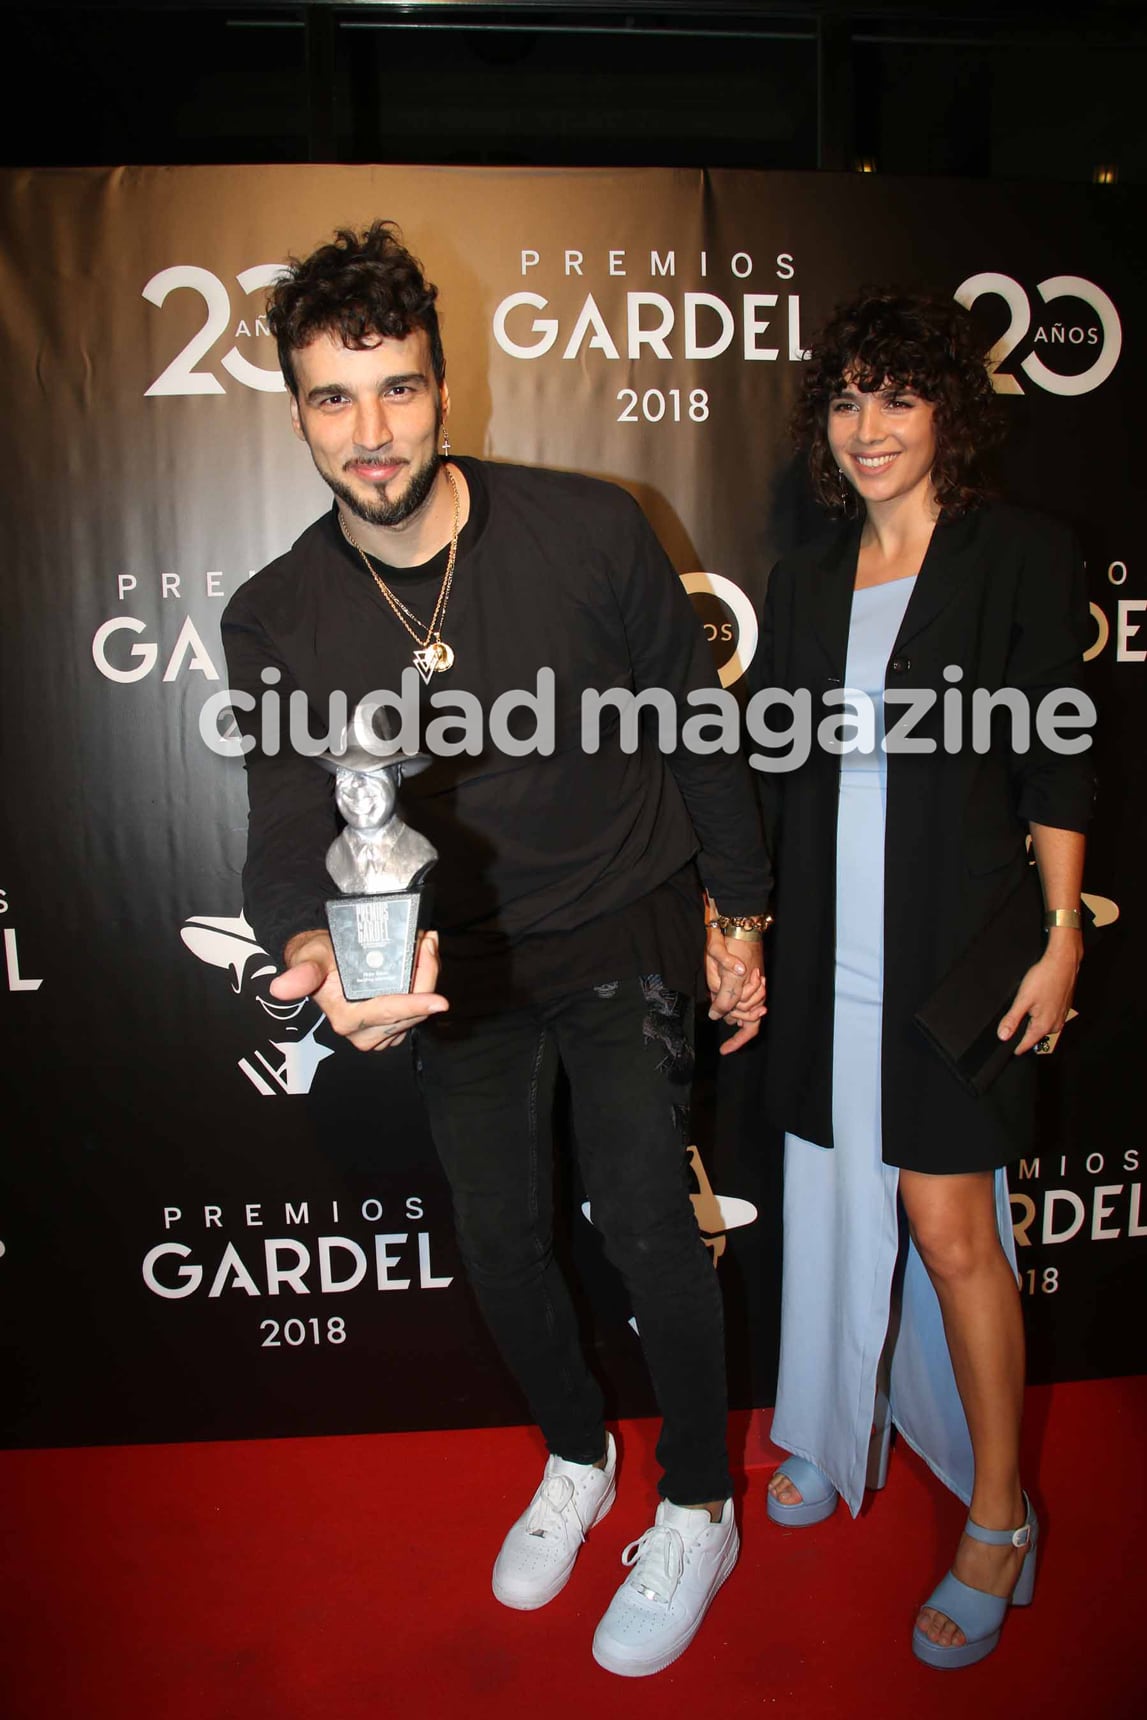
(900, 1302)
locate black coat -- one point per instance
(1001, 595)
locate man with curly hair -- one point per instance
(567, 899)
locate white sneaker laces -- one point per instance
(657, 1559)
(548, 1512)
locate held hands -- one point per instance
(379, 1022)
(1045, 991)
(734, 973)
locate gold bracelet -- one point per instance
(738, 925)
(1063, 917)
(742, 935)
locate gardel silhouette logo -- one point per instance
(228, 942)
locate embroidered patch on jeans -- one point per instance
(666, 1027)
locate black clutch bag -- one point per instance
(961, 1018)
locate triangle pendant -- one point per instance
(426, 661)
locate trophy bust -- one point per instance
(379, 865)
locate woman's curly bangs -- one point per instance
(929, 346)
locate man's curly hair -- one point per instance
(360, 287)
(926, 345)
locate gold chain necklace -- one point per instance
(432, 654)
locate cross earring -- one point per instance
(445, 444)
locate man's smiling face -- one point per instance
(371, 418)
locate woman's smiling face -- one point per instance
(884, 441)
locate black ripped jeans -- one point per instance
(489, 1087)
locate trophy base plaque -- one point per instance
(373, 939)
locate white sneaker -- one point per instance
(678, 1566)
(538, 1554)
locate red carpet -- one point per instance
(341, 1579)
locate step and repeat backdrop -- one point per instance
(216, 1221)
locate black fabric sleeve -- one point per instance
(291, 819)
(668, 649)
(1049, 637)
(763, 678)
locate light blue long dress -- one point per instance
(842, 1226)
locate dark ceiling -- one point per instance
(1006, 91)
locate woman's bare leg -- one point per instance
(953, 1224)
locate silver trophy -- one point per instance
(379, 864)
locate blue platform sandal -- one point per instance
(818, 1495)
(980, 1616)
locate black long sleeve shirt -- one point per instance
(554, 872)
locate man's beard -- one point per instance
(382, 511)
